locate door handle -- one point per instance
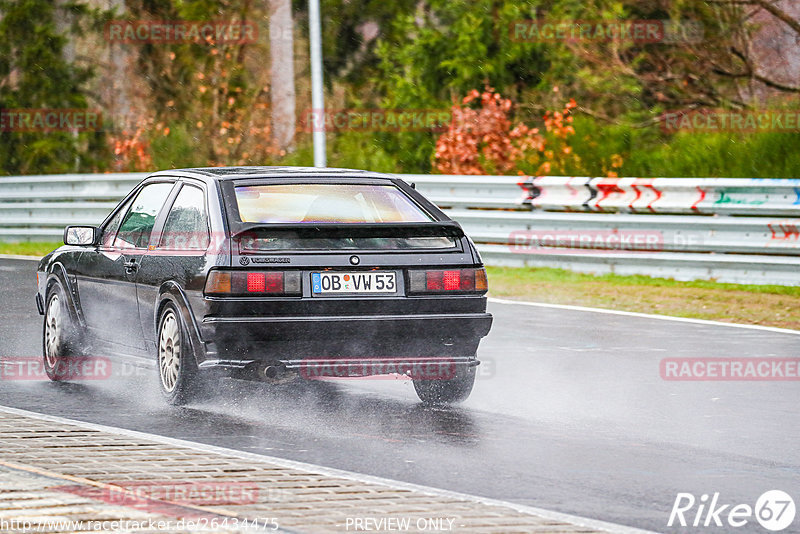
(131, 266)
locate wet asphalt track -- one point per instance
(569, 413)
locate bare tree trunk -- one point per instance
(119, 94)
(281, 45)
(63, 22)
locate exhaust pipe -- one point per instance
(271, 371)
(275, 373)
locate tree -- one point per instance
(444, 50)
(119, 90)
(708, 56)
(208, 99)
(281, 48)
(761, 21)
(36, 73)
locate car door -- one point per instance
(107, 275)
(177, 254)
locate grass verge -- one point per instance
(735, 303)
(28, 249)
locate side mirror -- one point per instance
(80, 235)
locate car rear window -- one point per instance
(310, 203)
(326, 203)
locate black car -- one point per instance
(269, 273)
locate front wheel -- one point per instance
(177, 368)
(447, 391)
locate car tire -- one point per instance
(447, 391)
(178, 375)
(61, 336)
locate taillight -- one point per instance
(242, 283)
(450, 280)
(265, 282)
(218, 283)
(256, 282)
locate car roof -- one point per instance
(232, 173)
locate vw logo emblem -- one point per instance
(244, 260)
(355, 260)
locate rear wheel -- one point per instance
(61, 337)
(177, 368)
(447, 391)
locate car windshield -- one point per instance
(327, 203)
(309, 203)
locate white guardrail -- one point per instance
(737, 230)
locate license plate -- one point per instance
(353, 283)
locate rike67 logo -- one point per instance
(774, 510)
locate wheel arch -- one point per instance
(171, 292)
(58, 273)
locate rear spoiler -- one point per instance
(335, 230)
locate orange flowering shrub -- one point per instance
(483, 141)
(560, 157)
(132, 150)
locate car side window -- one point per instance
(110, 230)
(187, 224)
(138, 224)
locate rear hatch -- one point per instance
(342, 238)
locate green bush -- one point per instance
(649, 152)
(353, 150)
(176, 150)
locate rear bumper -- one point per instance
(245, 339)
(474, 324)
